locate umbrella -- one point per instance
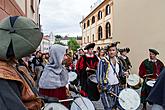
(20, 33)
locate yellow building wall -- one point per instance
(93, 28)
(139, 25)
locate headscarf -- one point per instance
(56, 53)
(54, 74)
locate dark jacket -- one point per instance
(10, 95)
(157, 94)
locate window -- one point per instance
(108, 10)
(88, 39)
(99, 32)
(93, 36)
(88, 23)
(32, 6)
(93, 19)
(99, 15)
(108, 30)
(84, 25)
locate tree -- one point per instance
(72, 43)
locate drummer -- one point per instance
(108, 73)
(124, 58)
(87, 61)
(149, 70)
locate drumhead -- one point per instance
(93, 78)
(82, 103)
(151, 83)
(54, 106)
(72, 76)
(129, 99)
(133, 80)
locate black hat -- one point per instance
(91, 45)
(154, 51)
(114, 44)
(124, 50)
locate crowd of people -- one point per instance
(100, 74)
(110, 66)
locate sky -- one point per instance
(63, 17)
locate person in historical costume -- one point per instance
(80, 53)
(86, 65)
(109, 73)
(54, 78)
(101, 53)
(124, 58)
(149, 70)
(17, 86)
(157, 94)
(37, 66)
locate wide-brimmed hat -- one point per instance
(91, 45)
(113, 44)
(124, 50)
(154, 51)
(19, 34)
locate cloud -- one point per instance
(63, 16)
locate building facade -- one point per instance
(27, 8)
(45, 44)
(97, 25)
(137, 24)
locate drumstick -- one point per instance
(116, 96)
(126, 81)
(65, 100)
(148, 75)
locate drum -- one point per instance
(151, 83)
(72, 78)
(92, 90)
(82, 103)
(134, 81)
(129, 99)
(54, 106)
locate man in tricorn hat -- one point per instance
(86, 65)
(149, 70)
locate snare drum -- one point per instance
(129, 99)
(134, 81)
(82, 103)
(72, 78)
(54, 106)
(92, 90)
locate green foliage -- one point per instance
(72, 43)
